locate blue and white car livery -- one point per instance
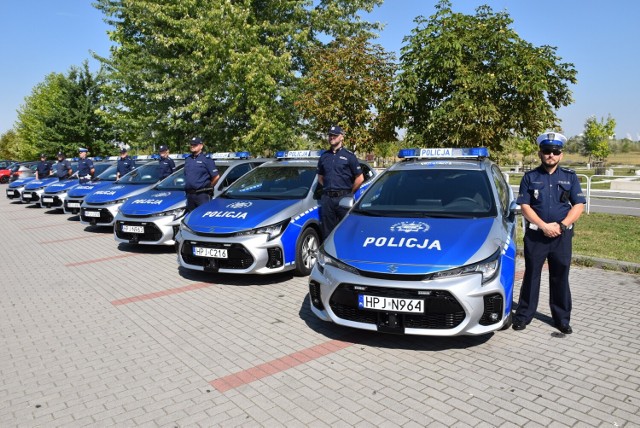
(34, 189)
(75, 196)
(100, 207)
(428, 249)
(266, 222)
(15, 188)
(153, 217)
(55, 194)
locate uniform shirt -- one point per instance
(551, 196)
(125, 165)
(198, 172)
(62, 168)
(84, 167)
(338, 169)
(44, 168)
(166, 167)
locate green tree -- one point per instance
(61, 114)
(223, 70)
(469, 80)
(10, 145)
(350, 82)
(596, 137)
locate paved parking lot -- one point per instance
(99, 334)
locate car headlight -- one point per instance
(272, 231)
(117, 201)
(176, 213)
(185, 227)
(325, 259)
(488, 268)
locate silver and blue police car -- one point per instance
(15, 188)
(34, 189)
(75, 195)
(55, 194)
(153, 217)
(265, 222)
(427, 250)
(100, 207)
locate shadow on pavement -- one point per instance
(234, 279)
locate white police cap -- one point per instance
(551, 139)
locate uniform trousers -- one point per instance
(557, 251)
(331, 213)
(194, 200)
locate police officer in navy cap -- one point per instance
(44, 168)
(63, 167)
(200, 175)
(552, 201)
(340, 174)
(167, 165)
(85, 166)
(125, 164)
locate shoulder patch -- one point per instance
(568, 170)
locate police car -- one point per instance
(428, 249)
(15, 188)
(55, 194)
(153, 217)
(266, 222)
(100, 207)
(34, 189)
(75, 195)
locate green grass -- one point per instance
(604, 236)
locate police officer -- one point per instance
(340, 174)
(200, 175)
(44, 168)
(167, 165)
(552, 201)
(63, 167)
(85, 166)
(125, 164)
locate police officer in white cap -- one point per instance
(85, 166)
(552, 201)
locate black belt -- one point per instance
(194, 191)
(337, 193)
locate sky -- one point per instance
(601, 38)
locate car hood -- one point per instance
(115, 192)
(412, 246)
(83, 190)
(234, 215)
(20, 182)
(154, 201)
(36, 184)
(61, 186)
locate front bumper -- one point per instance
(72, 205)
(15, 193)
(53, 200)
(31, 196)
(246, 254)
(157, 230)
(452, 306)
(99, 215)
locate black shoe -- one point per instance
(519, 324)
(565, 328)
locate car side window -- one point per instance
(234, 174)
(503, 189)
(367, 172)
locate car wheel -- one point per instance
(4, 180)
(306, 251)
(507, 322)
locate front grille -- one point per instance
(105, 216)
(34, 196)
(57, 202)
(493, 303)
(151, 232)
(239, 256)
(75, 209)
(442, 310)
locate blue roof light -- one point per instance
(444, 153)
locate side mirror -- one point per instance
(346, 202)
(514, 209)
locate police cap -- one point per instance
(83, 150)
(551, 139)
(195, 141)
(163, 149)
(335, 130)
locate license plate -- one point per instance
(216, 253)
(26, 195)
(50, 200)
(92, 213)
(73, 204)
(10, 192)
(132, 229)
(392, 304)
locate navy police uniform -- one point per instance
(85, 166)
(339, 171)
(125, 165)
(62, 168)
(167, 165)
(44, 168)
(198, 173)
(551, 196)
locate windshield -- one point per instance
(146, 174)
(108, 174)
(429, 193)
(274, 182)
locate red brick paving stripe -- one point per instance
(160, 294)
(106, 259)
(270, 368)
(41, 227)
(55, 241)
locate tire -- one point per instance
(306, 249)
(4, 179)
(508, 322)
